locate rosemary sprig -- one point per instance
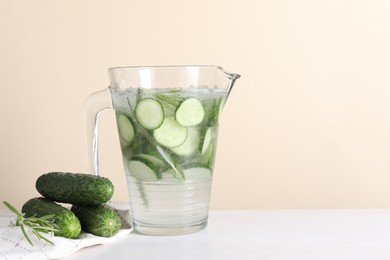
(168, 100)
(44, 224)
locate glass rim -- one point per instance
(151, 67)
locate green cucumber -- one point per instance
(170, 133)
(190, 112)
(149, 113)
(144, 170)
(68, 225)
(125, 128)
(191, 144)
(75, 188)
(99, 220)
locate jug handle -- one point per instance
(93, 105)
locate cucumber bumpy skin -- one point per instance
(68, 224)
(99, 220)
(75, 188)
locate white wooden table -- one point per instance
(264, 234)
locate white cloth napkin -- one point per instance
(13, 245)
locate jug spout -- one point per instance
(231, 78)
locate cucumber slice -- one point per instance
(190, 145)
(207, 139)
(190, 112)
(149, 113)
(170, 133)
(156, 161)
(221, 102)
(144, 170)
(125, 128)
(210, 155)
(195, 164)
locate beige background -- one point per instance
(307, 125)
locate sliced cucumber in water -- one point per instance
(221, 103)
(144, 170)
(126, 129)
(210, 156)
(207, 139)
(156, 161)
(190, 112)
(149, 113)
(191, 144)
(196, 164)
(170, 133)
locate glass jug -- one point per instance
(167, 121)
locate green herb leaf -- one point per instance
(44, 224)
(25, 235)
(12, 208)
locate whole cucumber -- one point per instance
(99, 220)
(68, 224)
(75, 188)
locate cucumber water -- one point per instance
(168, 140)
